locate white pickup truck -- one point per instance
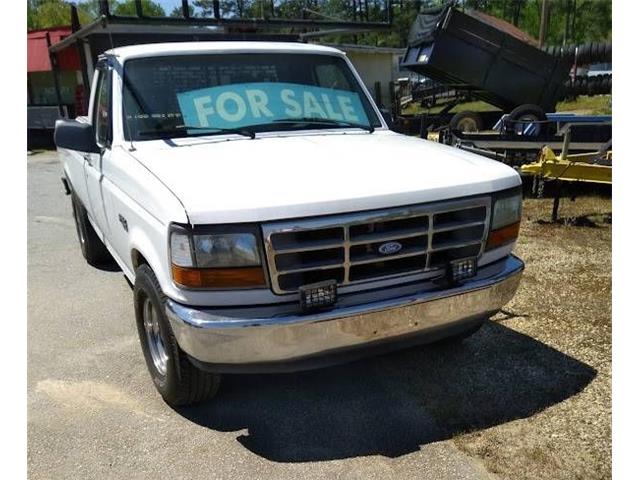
(269, 220)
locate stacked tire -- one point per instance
(593, 52)
(585, 54)
(566, 51)
(595, 85)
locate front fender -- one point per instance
(143, 249)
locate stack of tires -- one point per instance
(581, 55)
(585, 54)
(594, 85)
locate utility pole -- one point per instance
(544, 22)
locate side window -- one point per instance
(101, 112)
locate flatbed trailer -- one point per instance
(588, 133)
(422, 124)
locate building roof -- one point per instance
(181, 48)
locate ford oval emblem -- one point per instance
(389, 248)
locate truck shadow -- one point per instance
(393, 404)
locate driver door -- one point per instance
(93, 162)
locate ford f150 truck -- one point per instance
(268, 218)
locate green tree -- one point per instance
(91, 8)
(570, 21)
(31, 17)
(404, 14)
(50, 13)
(177, 12)
(228, 8)
(47, 14)
(128, 7)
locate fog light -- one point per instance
(318, 295)
(463, 268)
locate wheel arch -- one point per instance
(137, 258)
(144, 251)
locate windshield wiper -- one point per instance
(205, 131)
(324, 121)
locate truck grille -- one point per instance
(353, 248)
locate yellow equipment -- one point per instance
(585, 167)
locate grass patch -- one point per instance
(597, 105)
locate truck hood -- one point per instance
(236, 179)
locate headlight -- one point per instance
(506, 211)
(505, 222)
(226, 250)
(215, 260)
(181, 250)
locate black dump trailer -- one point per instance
(466, 52)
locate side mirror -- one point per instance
(75, 135)
(386, 115)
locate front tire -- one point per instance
(177, 380)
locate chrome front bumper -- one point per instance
(221, 342)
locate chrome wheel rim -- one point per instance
(154, 339)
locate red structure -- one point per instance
(43, 78)
(38, 42)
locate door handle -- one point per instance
(88, 159)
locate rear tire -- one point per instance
(93, 250)
(177, 380)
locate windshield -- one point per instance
(190, 95)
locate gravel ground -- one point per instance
(528, 396)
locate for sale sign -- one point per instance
(246, 104)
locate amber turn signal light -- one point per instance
(241, 277)
(502, 236)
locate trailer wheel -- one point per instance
(527, 113)
(466, 122)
